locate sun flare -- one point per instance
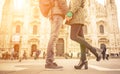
(101, 1)
(19, 4)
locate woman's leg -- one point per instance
(75, 29)
(79, 31)
(82, 47)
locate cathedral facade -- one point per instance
(25, 29)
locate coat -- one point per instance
(60, 8)
(77, 8)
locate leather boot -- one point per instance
(97, 52)
(81, 64)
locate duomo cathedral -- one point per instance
(23, 28)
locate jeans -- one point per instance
(56, 23)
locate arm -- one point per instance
(76, 5)
(63, 5)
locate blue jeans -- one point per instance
(56, 23)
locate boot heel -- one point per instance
(82, 64)
(86, 65)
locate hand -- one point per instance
(68, 18)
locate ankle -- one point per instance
(86, 65)
(82, 64)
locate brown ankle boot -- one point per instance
(97, 52)
(81, 64)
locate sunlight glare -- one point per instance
(101, 1)
(19, 4)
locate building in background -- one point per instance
(24, 28)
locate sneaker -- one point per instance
(53, 66)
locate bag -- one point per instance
(45, 6)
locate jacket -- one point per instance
(60, 8)
(77, 8)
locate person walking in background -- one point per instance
(103, 47)
(56, 16)
(75, 18)
(107, 54)
(44, 54)
(23, 55)
(12, 53)
(37, 53)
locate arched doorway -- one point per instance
(60, 47)
(102, 46)
(16, 47)
(33, 49)
(16, 51)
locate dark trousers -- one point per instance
(103, 55)
(78, 36)
(76, 30)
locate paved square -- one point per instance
(30, 66)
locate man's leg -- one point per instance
(56, 24)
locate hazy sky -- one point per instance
(101, 1)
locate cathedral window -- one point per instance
(34, 29)
(36, 12)
(18, 29)
(102, 29)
